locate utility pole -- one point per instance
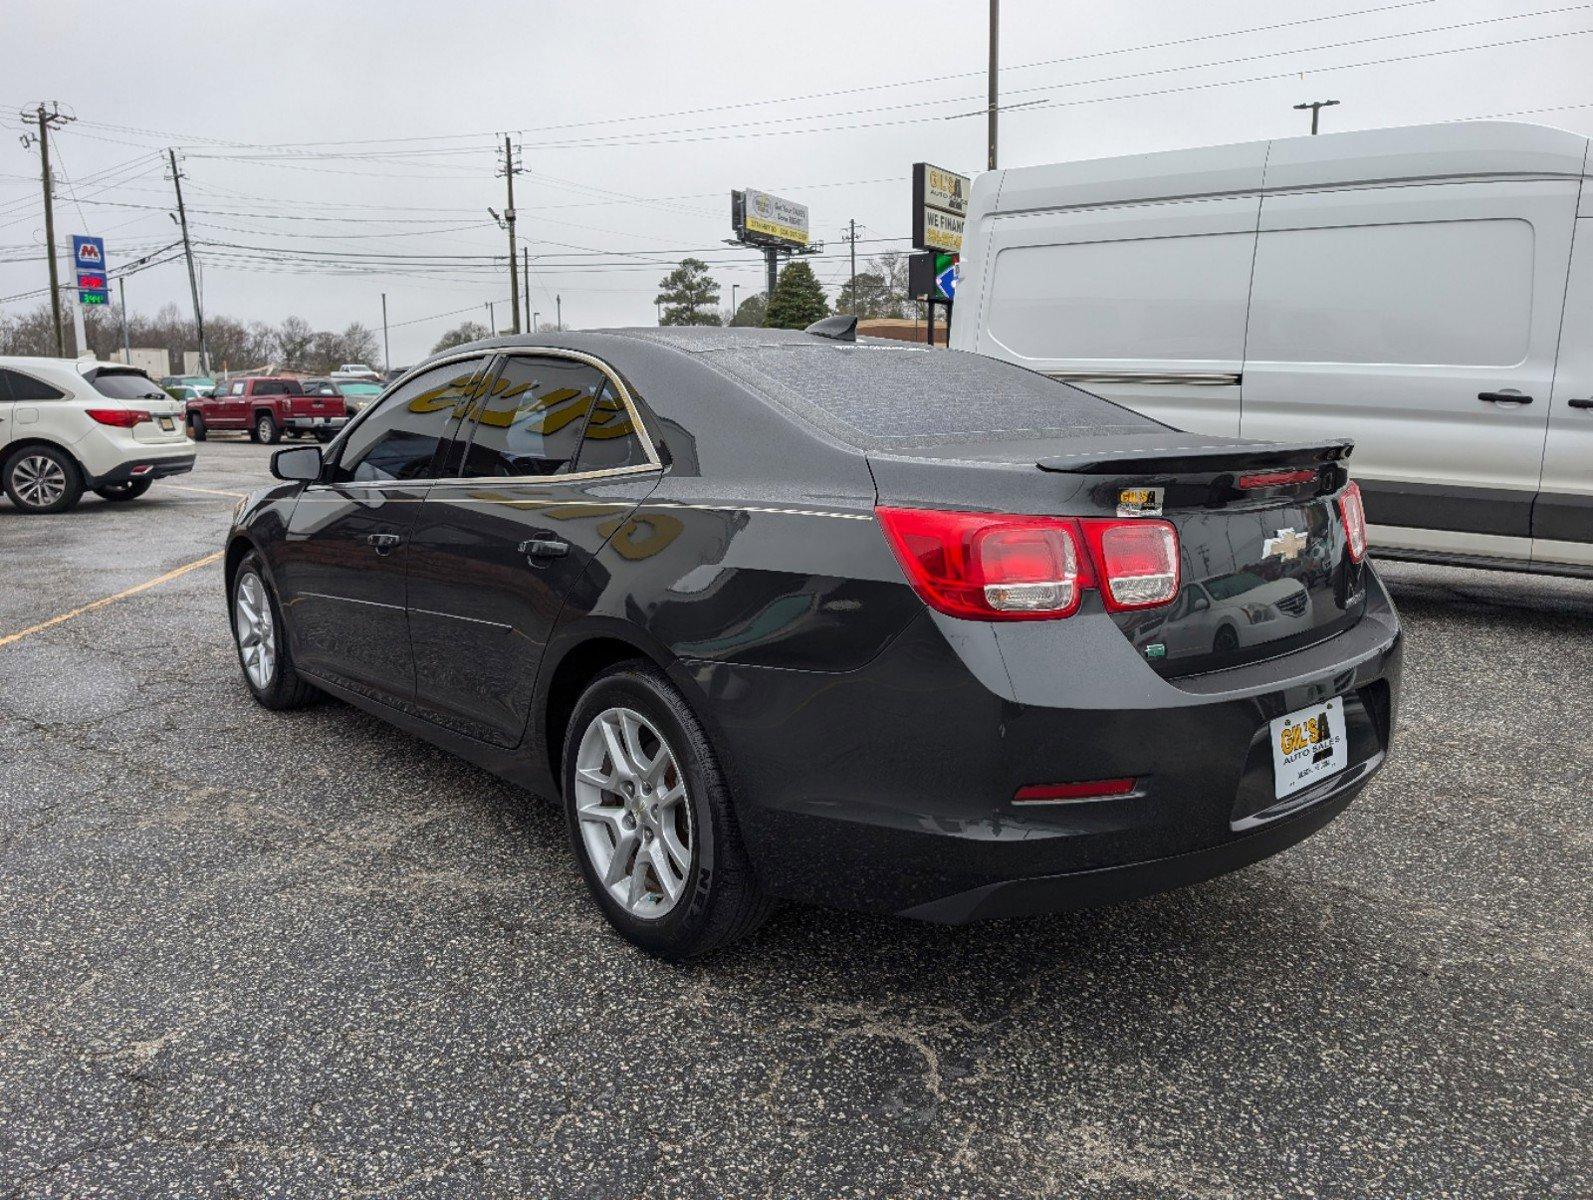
(558, 306)
(387, 349)
(1316, 107)
(188, 253)
(121, 292)
(44, 121)
(995, 46)
(510, 169)
(851, 237)
(492, 318)
(534, 317)
(734, 307)
(525, 278)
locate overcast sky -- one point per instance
(337, 130)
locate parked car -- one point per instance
(201, 384)
(780, 614)
(356, 393)
(357, 371)
(267, 406)
(1427, 291)
(69, 427)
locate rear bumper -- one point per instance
(315, 422)
(146, 468)
(891, 788)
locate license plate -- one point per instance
(1309, 745)
(166, 424)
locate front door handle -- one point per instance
(1508, 396)
(1581, 402)
(544, 548)
(383, 542)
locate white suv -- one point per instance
(67, 427)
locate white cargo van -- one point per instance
(1427, 291)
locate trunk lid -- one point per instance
(1264, 566)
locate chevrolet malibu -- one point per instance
(796, 615)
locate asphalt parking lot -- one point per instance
(247, 954)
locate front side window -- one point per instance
(531, 424)
(399, 440)
(14, 385)
(237, 389)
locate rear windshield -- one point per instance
(887, 395)
(127, 385)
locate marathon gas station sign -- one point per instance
(88, 260)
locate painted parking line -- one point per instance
(183, 487)
(123, 595)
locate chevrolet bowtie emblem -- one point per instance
(1286, 545)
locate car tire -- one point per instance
(261, 640)
(717, 900)
(265, 429)
(130, 489)
(1226, 641)
(41, 479)
(196, 427)
(323, 436)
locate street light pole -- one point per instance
(121, 292)
(387, 349)
(1316, 107)
(734, 307)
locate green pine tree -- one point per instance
(689, 295)
(798, 299)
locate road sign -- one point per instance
(940, 206)
(88, 259)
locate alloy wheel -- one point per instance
(635, 817)
(39, 480)
(252, 620)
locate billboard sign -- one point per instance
(940, 206)
(761, 217)
(88, 262)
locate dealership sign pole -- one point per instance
(940, 208)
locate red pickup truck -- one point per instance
(267, 406)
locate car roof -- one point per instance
(71, 366)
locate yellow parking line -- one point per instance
(101, 603)
(183, 487)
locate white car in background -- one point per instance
(69, 427)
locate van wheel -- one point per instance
(42, 479)
(651, 819)
(130, 489)
(196, 427)
(266, 429)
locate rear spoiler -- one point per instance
(1162, 454)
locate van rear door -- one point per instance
(1410, 319)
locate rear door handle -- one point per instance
(1508, 396)
(1581, 402)
(544, 548)
(383, 542)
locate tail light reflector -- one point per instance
(1138, 560)
(1353, 513)
(1052, 793)
(1272, 479)
(989, 566)
(121, 418)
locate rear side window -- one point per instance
(126, 385)
(874, 395)
(611, 440)
(532, 423)
(14, 385)
(278, 387)
(399, 440)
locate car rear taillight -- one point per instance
(1353, 513)
(1007, 567)
(121, 418)
(1137, 559)
(988, 566)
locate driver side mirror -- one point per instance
(297, 464)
